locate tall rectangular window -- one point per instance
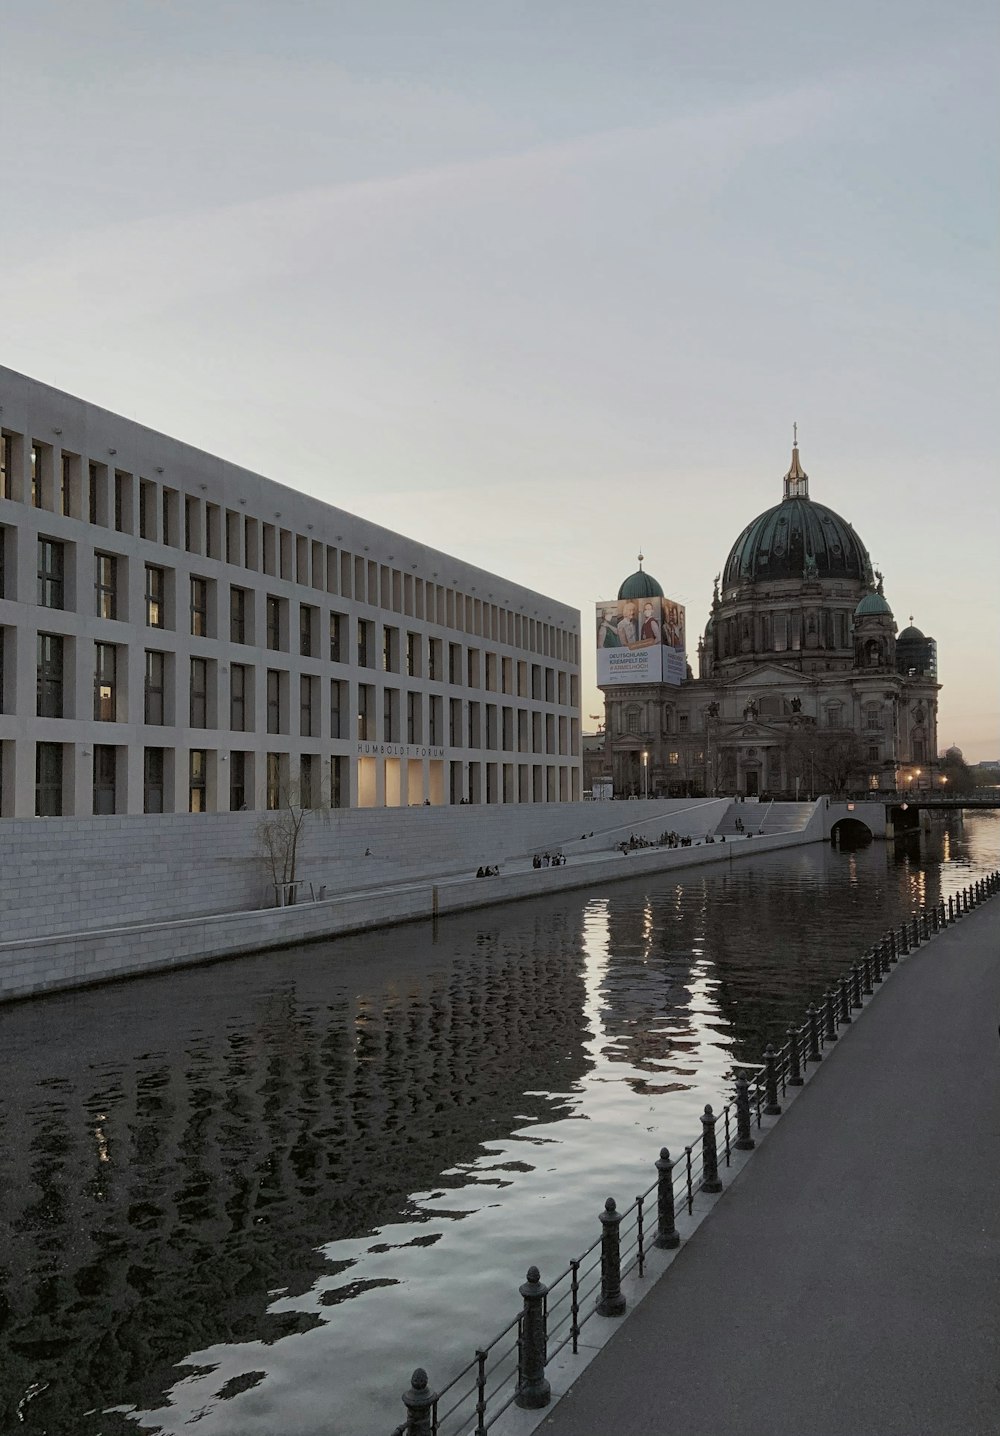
(199, 607)
(197, 780)
(153, 704)
(435, 725)
(273, 622)
(238, 697)
(48, 780)
(366, 703)
(199, 693)
(305, 706)
(413, 655)
(92, 495)
(155, 587)
(338, 708)
(308, 782)
(390, 650)
(105, 688)
(66, 484)
(389, 701)
(152, 780)
(36, 477)
(413, 718)
(434, 664)
(50, 573)
(237, 615)
(364, 643)
(273, 700)
(272, 795)
(306, 612)
(237, 782)
(106, 585)
(105, 764)
(50, 676)
(337, 621)
(6, 466)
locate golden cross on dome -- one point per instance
(640, 560)
(795, 435)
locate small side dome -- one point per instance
(640, 585)
(911, 635)
(873, 605)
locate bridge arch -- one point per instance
(850, 833)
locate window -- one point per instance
(106, 585)
(390, 650)
(48, 780)
(366, 703)
(238, 673)
(338, 782)
(308, 784)
(105, 665)
(305, 707)
(93, 476)
(273, 622)
(874, 752)
(632, 721)
(390, 699)
(197, 780)
(273, 788)
(306, 613)
(153, 700)
(338, 708)
(682, 723)
(6, 465)
(50, 573)
(199, 696)
(50, 676)
(36, 477)
(472, 665)
(337, 621)
(237, 615)
(413, 717)
(834, 715)
(105, 763)
(152, 780)
(673, 759)
(435, 720)
(364, 643)
(237, 782)
(454, 663)
(435, 666)
(413, 655)
(155, 616)
(199, 607)
(273, 700)
(66, 484)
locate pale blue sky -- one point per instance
(538, 283)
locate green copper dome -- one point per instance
(797, 539)
(640, 585)
(873, 605)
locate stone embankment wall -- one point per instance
(118, 899)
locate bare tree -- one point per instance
(277, 837)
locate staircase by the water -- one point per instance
(766, 817)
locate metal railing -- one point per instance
(510, 1369)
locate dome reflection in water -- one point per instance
(255, 1196)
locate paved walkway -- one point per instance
(850, 1280)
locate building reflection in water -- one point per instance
(361, 1146)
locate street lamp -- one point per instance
(645, 775)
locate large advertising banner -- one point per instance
(640, 641)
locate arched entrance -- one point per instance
(850, 833)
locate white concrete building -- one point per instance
(178, 634)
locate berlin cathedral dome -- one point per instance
(796, 538)
(802, 685)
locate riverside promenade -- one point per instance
(848, 1283)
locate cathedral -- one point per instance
(803, 686)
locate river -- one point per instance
(252, 1197)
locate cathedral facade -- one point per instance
(803, 684)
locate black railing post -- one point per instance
(881, 960)
(856, 985)
(667, 1235)
(481, 1427)
(904, 940)
(951, 908)
(795, 1078)
(744, 1140)
(942, 915)
(772, 1107)
(419, 1402)
(612, 1303)
(830, 1014)
(532, 1345)
(925, 927)
(916, 932)
(893, 955)
(934, 918)
(866, 974)
(709, 1153)
(845, 1000)
(815, 1055)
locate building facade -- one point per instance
(178, 634)
(803, 685)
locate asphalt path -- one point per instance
(849, 1282)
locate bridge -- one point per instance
(928, 798)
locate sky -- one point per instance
(540, 283)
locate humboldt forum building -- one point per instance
(179, 635)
